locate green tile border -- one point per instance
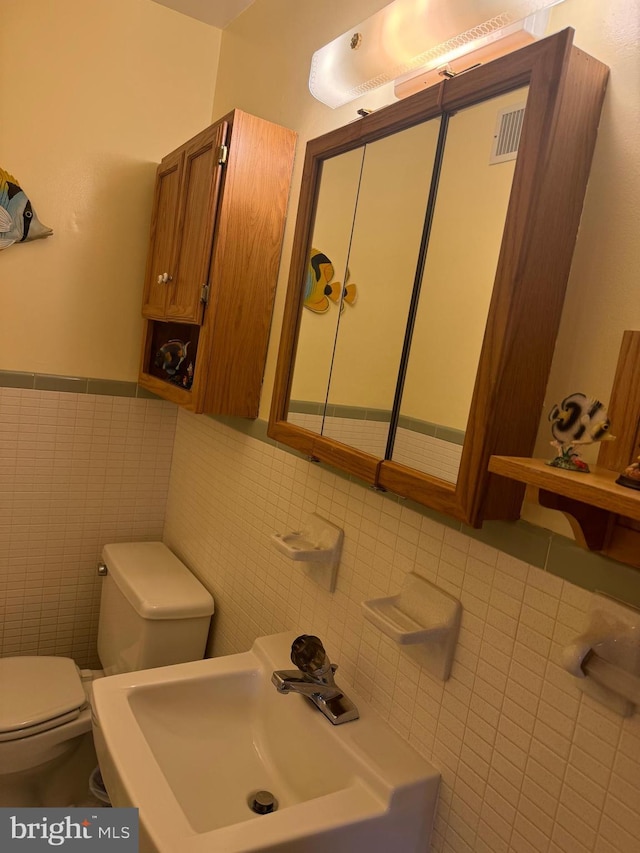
(534, 545)
(593, 571)
(73, 384)
(306, 407)
(356, 413)
(111, 388)
(519, 539)
(76, 385)
(12, 379)
(453, 436)
(414, 425)
(361, 413)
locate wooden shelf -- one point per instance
(603, 515)
(597, 488)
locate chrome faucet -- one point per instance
(314, 680)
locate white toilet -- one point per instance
(153, 612)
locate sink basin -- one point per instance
(190, 745)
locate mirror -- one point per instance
(366, 239)
(335, 212)
(365, 266)
(456, 284)
(438, 279)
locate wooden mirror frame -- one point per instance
(566, 91)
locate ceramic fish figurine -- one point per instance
(349, 294)
(578, 420)
(18, 220)
(320, 288)
(171, 355)
(317, 286)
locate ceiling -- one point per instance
(217, 13)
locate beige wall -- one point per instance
(93, 95)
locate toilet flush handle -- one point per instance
(102, 569)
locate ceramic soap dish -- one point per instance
(423, 619)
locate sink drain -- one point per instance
(262, 802)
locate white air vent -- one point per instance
(507, 134)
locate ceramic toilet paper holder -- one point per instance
(605, 659)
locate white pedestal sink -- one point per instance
(189, 745)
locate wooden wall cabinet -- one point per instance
(214, 252)
(564, 91)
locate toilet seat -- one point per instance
(45, 692)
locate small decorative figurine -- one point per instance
(578, 420)
(18, 220)
(187, 379)
(171, 355)
(630, 476)
(319, 286)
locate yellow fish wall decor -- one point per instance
(320, 288)
(18, 220)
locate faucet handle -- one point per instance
(308, 654)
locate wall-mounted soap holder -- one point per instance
(318, 545)
(423, 619)
(606, 659)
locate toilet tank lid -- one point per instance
(155, 582)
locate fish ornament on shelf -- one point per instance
(18, 220)
(171, 355)
(319, 286)
(577, 421)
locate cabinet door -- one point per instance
(162, 245)
(203, 164)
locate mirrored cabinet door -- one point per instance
(380, 277)
(322, 288)
(474, 187)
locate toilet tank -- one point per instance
(153, 611)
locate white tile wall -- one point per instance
(427, 453)
(528, 763)
(368, 436)
(76, 471)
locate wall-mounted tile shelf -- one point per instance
(423, 619)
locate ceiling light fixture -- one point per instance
(410, 39)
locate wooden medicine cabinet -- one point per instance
(216, 235)
(430, 260)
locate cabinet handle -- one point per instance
(164, 278)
